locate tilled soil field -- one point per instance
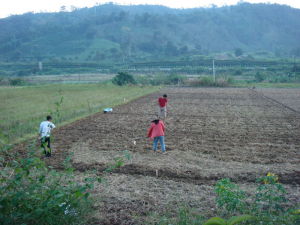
(211, 133)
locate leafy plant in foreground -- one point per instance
(267, 205)
(56, 113)
(34, 194)
(269, 202)
(229, 197)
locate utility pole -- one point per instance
(214, 71)
(40, 64)
(295, 67)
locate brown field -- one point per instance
(212, 133)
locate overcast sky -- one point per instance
(9, 7)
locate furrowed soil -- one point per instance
(211, 133)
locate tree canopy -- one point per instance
(111, 32)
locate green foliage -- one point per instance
(238, 52)
(267, 205)
(174, 79)
(161, 79)
(32, 104)
(229, 197)
(230, 80)
(186, 216)
(123, 78)
(113, 33)
(56, 113)
(259, 76)
(238, 72)
(16, 82)
(269, 201)
(208, 81)
(31, 193)
(232, 221)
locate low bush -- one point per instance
(267, 205)
(230, 199)
(16, 82)
(35, 194)
(160, 79)
(209, 81)
(123, 78)
(260, 76)
(174, 79)
(32, 193)
(238, 72)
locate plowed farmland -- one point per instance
(211, 133)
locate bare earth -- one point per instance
(211, 133)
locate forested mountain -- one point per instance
(135, 33)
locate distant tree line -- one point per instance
(110, 32)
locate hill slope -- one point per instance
(112, 32)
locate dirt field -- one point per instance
(211, 133)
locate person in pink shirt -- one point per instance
(157, 133)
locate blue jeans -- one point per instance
(161, 139)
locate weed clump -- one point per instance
(267, 205)
(33, 193)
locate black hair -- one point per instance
(155, 121)
(165, 96)
(49, 117)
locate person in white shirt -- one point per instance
(45, 132)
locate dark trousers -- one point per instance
(45, 144)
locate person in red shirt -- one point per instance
(157, 133)
(162, 103)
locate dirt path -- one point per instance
(211, 133)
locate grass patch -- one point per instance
(268, 85)
(23, 108)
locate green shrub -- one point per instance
(267, 204)
(34, 194)
(160, 79)
(259, 77)
(207, 81)
(230, 199)
(31, 193)
(238, 72)
(16, 82)
(230, 80)
(174, 79)
(123, 78)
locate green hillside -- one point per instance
(113, 33)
